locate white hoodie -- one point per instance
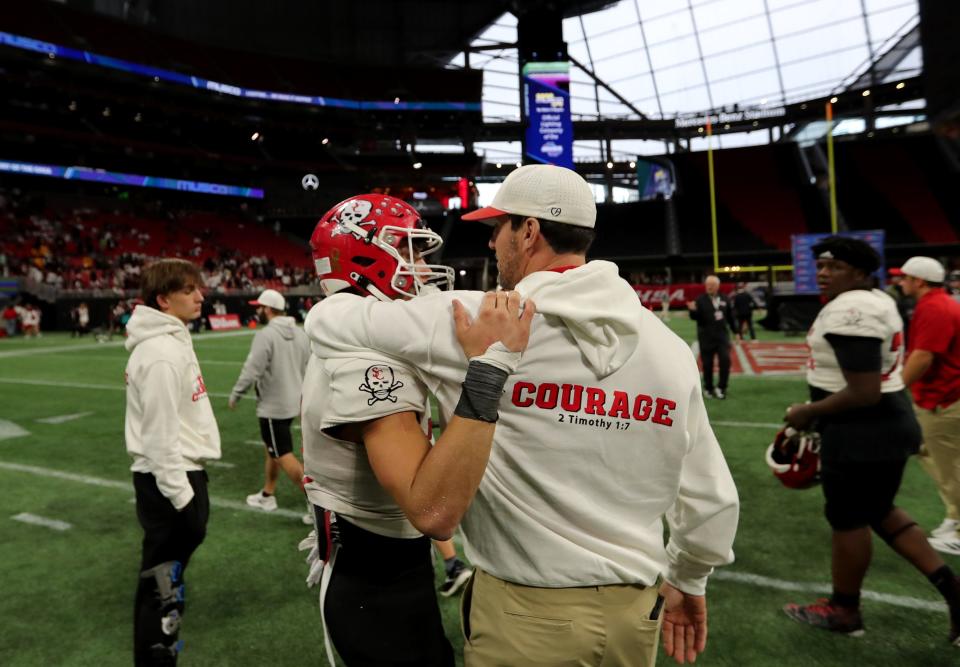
(170, 427)
(602, 432)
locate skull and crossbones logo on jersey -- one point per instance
(380, 382)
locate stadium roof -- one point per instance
(664, 58)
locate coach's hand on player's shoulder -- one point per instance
(684, 624)
(500, 318)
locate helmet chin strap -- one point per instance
(366, 284)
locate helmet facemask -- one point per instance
(409, 246)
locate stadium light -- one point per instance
(633, 165)
(325, 141)
(763, 101)
(499, 165)
(901, 85)
(833, 100)
(396, 100)
(73, 105)
(463, 272)
(417, 165)
(106, 112)
(609, 165)
(700, 130)
(866, 93)
(519, 164)
(137, 118)
(254, 136)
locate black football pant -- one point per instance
(707, 354)
(381, 606)
(169, 539)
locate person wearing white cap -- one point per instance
(603, 435)
(932, 372)
(275, 366)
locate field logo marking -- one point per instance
(8, 429)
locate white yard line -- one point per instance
(198, 339)
(61, 419)
(748, 424)
(747, 368)
(780, 584)
(33, 519)
(128, 486)
(84, 385)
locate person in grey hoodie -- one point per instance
(170, 432)
(275, 366)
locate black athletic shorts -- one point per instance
(859, 493)
(276, 436)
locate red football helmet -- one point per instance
(794, 458)
(374, 243)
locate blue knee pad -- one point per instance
(168, 579)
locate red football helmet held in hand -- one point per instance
(794, 458)
(375, 243)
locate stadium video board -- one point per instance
(549, 135)
(134, 180)
(805, 264)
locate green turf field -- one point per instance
(67, 595)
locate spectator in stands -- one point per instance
(743, 307)
(275, 366)
(10, 319)
(932, 372)
(860, 407)
(170, 433)
(713, 314)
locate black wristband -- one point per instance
(480, 392)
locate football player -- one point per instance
(867, 431)
(379, 489)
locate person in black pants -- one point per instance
(170, 433)
(743, 307)
(713, 314)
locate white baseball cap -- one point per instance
(542, 191)
(272, 299)
(924, 268)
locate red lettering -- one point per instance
(595, 400)
(518, 389)
(641, 407)
(621, 405)
(547, 396)
(568, 402)
(661, 415)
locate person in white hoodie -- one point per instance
(275, 365)
(603, 435)
(170, 432)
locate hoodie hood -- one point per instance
(597, 307)
(285, 325)
(147, 322)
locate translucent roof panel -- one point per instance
(664, 58)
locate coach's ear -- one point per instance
(529, 234)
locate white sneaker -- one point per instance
(948, 528)
(266, 503)
(946, 545)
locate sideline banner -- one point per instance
(224, 322)
(678, 293)
(549, 136)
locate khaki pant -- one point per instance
(940, 452)
(508, 625)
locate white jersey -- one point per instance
(602, 433)
(345, 391)
(864, 313)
